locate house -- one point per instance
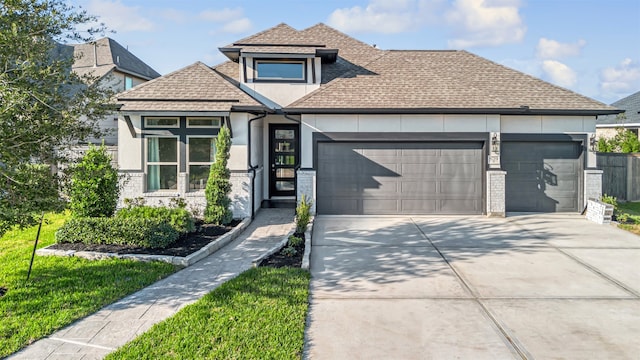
(360, 130)
(607, 125)
(113, 66)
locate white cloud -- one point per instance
(559, 73)
(173, 15)
(380, 16)
(223, 15)
(118, 16)
(232, 21)
(237, 26)
(621, 79)
(485, 23)
(551, 49)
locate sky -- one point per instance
(591, 47)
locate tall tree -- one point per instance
(44, 105)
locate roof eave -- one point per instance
(470, 111)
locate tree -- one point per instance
(218, 186)
(625, 141)
(44, 106)
(95, 187)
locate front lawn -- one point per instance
(61, 290)
(632, 211)
(258, 315)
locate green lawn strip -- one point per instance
(258, 315)
(61, 290)
(631, 208)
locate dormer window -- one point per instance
(280, 70)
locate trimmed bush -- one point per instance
(218, 185)
(95, 185)
(179, 218)
(303, 214)
(150, 233)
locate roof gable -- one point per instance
(193, 88)
(100, 57)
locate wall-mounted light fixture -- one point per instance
(495, 144)
(593, 144)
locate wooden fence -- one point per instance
(621, 175)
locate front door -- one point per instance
(283, 159)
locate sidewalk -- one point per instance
(101, 333)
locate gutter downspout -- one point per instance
(252, 168)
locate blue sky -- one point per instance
(589, 46)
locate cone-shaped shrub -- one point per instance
(218, 186)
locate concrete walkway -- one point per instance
(544, 286)
(99, 334)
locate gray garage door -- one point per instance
(399, 178)
(542, 176)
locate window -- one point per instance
(292, 70)
(162, 163)
(201, 153)
(212, 122)
(128, 82)
(154, 122)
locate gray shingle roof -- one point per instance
(441, 80)
(106, 56)
(631, 105)
(194, 88)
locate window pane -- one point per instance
(162, 177)
(204, 122)
(162, 149)
(285, 160)
(128, 83)
(198, 175)
(280, 70)
(161, 122)
(201, 149)
(285, 173)
(285, 134)
(285, 185)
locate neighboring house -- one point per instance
(361, 130)
(112, 66)
(607, 125)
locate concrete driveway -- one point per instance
(529, 286)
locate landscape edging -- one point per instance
(184, 261)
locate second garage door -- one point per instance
(399, 178)
(542, 176)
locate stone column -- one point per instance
(306, 184)
(592, 185)
(496, 193)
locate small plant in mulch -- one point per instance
(291, 254)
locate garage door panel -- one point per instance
(542, 176)
(399, 178)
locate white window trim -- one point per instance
(147, 162)
(257, 76)
(176, 126)
(189, 162)
(219, 118)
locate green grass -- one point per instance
(633, 210)
(258, 315)
(60, 290)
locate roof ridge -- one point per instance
(247, 38)
(153, 81)
(227, 82)
(322, 25)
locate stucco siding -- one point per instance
(129, 148)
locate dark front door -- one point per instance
(283, 159)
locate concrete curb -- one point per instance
(283, 242)
(175, 260)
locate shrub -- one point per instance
(218, 186)
(303, 214)
(150, 233)
(94, 186)
(178, 218)
(607, 199)
(289, 251)
(294, 240)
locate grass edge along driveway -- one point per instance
(258, 315)
(61, 290)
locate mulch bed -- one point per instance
(280, 259)
(184, 246)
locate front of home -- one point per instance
(360, 130)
